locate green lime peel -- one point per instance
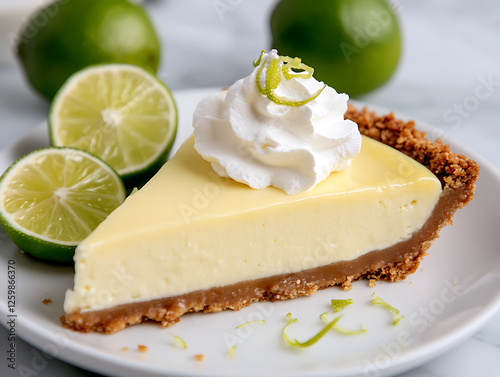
(284, 65)
(231, 352)
(376, 300)
(251, 322)
(313, 340)
(343, 330)
(339, 304)
(178, 342)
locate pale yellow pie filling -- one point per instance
(188, 229)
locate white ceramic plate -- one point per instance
(453, 293)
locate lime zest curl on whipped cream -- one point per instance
(273, 78)
(291, 137)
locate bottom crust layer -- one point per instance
(393, 263)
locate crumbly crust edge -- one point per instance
(453, 170)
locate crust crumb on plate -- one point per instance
(199, 357)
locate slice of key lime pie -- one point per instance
(282, 190)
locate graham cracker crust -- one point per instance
(457, 174)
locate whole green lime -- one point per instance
(68, 35)
(353, 45)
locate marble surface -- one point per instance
(449, 76)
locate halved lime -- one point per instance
(120, 113)
(52, 198)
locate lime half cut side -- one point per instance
(120, 113)
(53, 198)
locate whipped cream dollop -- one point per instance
(271, 130)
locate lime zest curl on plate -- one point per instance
(311, 341)
(231, 352)
(376, 300)
(283, 65)
(324, 317)
(178, 342)
(343, 330)
(251, 322)
(340, 304)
